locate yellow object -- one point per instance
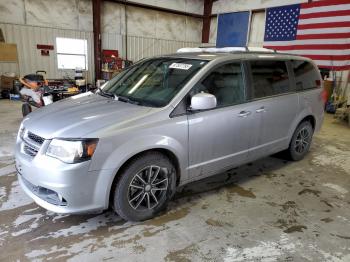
(73, 89)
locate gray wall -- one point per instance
(31, 22)
(77, 15)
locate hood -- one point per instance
(80, 115)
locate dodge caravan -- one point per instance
(164, 122)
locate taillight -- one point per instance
(324, 95)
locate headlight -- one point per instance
(72, 151)
(21, 131)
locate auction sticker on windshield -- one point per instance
(180, 66)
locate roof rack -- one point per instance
(224, 49)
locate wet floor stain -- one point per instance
(216, 223)
(172, 215)
(310, 191)
(238, 190)
(182, 254)
(296, 228)
(288, 205)
(340, 236)
(327, 220)
(150, 232)
(6, 183)
(139, 249)
(326, 203)
(120, 243)
(205, 206)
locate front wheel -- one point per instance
(145, 186)
(301, 141)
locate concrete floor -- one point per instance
(270, 210)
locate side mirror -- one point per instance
(203, 101)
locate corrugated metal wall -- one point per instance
(29, 57)
(257, 28)
(140, 47)
(27, 37)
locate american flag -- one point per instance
(319, 30)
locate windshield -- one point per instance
(153, 82)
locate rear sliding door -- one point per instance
(272, 92)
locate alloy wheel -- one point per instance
(148, 188)
(302, 141)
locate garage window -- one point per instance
(71, 53)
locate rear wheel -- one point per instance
(26, 109)
(301, 141)
(145, 186)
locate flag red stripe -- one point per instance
(324, 3)
(323, 36)
(324, 14)
(329, 57)
(324, 25)
(338, 68)
(310, 47)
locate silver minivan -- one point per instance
(164, 122)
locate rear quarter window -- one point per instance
(306, 75)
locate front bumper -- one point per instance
(60, 187)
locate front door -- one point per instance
(219, 138)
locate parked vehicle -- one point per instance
(164, 122)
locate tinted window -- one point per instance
(269, 78)
(305, 75)
(225, 83)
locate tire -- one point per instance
(138, 196)
(26, 109)
(301, 141)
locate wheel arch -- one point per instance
(165, 151)
(306, 117)
(309, 118)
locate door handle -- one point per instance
(260, 110)
(244, 113)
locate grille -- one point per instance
(39, 140)
(29, 150)
(31, 143)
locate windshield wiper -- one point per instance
(105, 94)
(126, 99)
